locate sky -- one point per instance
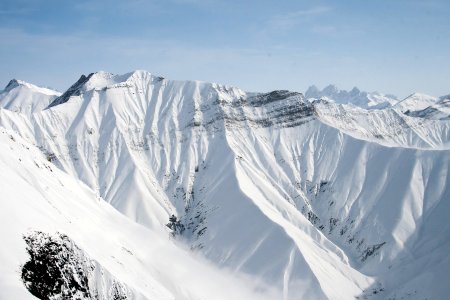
(390, 46)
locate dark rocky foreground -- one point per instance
(59, 269)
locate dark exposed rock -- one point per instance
(57, 268)
(310, 215)
(74, 90)
(333, 223)
(175, 225)
(118, 291)
(371, 250)
(273, 96)
(11, 84)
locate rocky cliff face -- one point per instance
(59, 269)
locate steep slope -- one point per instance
(387, 127)
(46, 211)
(24, 97)
(319, 200)
(384, 207)
(354, 97)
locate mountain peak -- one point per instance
(26, 98)
(419, 95)
(330, 89)
(102, 80)
(355, 91)
(420, 98)
(14, 83)
(415, 102)
(74, 90)
(312, 92)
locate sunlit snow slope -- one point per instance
(21, 96)
(145, 264)
(415, 102)
(316, 200)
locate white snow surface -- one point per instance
(24, 97)
(306, 200)
(387, 127)
(415, 102)
(437, 111)
(37, 196)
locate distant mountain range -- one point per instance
(416, 104)
(355, 97)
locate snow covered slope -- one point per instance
(24, 97)
(437, 111)
(317, 200)
(415, 102)
(355, 97)
(124, 260)
(387, 127)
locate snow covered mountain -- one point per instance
(435, 108)
(311, 200)
(355, 97)
(416, 102)
(438, 111)
(24, 97)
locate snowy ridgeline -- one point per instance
(310, 199)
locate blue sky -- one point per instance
(393, 46)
